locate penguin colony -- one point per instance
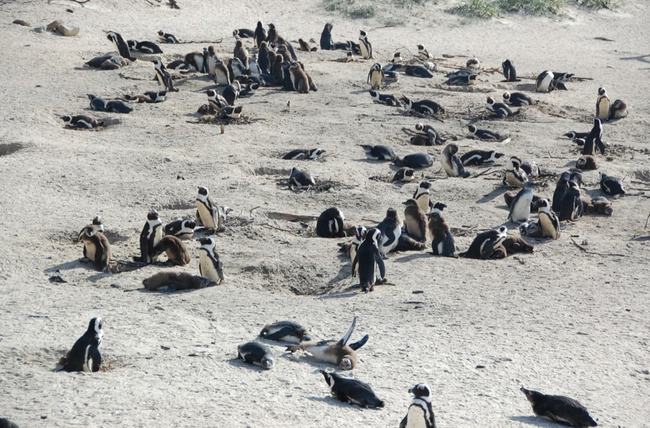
(272, 61)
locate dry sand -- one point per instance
(560, 320)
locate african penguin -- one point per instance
(163, 76)
(488, 245)
(330, 224)
(560, 409)
(207, 212)
(387, 99)
(501, 110)
(480, 157)
(571, 206)
(520, 207)
(260, 34)
(173, 247)
(549, 223)
(431, 132)
(515, 176)
(423, 107)
(594, 139)
(487, 135)
(352, 391)
(144, 47)
(300, 178)
(257, 354)
(602, 104)
(81, 121)
(517, 99)
(365, 45)
(415, 221)
(307, 154)
(368, 257)
(403, 175)
(442, 240)
(422, 196)
(149, 237)
(85, 355)
(420, 412)
(97, 249)
(210, 265)
(379, 152)
(167, 37)
(391, 229)
(610, 185)
(285, 331)
(452, 163)
(375, 76)
(122, 46)
(509, 71)
(415, 160)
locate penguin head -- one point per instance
(360, 232)
(602, 91)
(420, 47)
(66, 119)
(424, 185)
(507, 63)
(362, 33)
(267, 362)
(502, 231)
(161, 33)
(95, 327)
(391, 213)
(373, 94)
(472, 63)
(111, 36)
(515, 162)
(349, 54)
(157, 63)
(346, 363)
(259, 25)
(532, 396)
(211, 93)
(207, 242)
(575, 175)
(152, 215)
(421, 390)
(419, 126)
(506, 95)
(544, 205)
(131, 44)
(316, 153)
(410, 203)
(188, 224)
(239, 43)
(490, 101)
(450, 150)
(97, 224)
(328, 377)
(235, 34)
(472, 129)
(203, 191)
(271, 26)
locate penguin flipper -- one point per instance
(346, 337)
(359, 343)
(380, 263)
(96, 359)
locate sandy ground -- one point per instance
(560, 320)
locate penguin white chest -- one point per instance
(205, 215)
(90, 250)
(521, 210)
(548, 228)
(416, 418)
(602, 110)
(207, 269)
(448, 165)
(423, 202)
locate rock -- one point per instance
(59, 27)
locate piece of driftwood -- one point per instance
(584, 250)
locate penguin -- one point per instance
(96, 103)
(97, 249)
(423, 107)
(167, 37)
(176, 281)
(231, 92)
(509, 71)
(560, 190)
(197, 61)
(415, 221)
(610, 185)
(501, 110)
(144, 47)
(149, 97)
(352, 391)
(150, 237)
(548, 221)
(599, 206)
(560, 79)
(299, 79)
(618, 110)
(85, 355)
(272, 35)
(487, 135)
(306, 154)
(571, 207)
(442, 243)
(305, 46)
(367, 258)
(177, 254)
(163, 76)
(473, 63)
(515, 176)
(452, 163)
(337, 352)
(422, 196)
(207, 212)
(231, 112)
(221, 74)
(236, 69)
(122, 46)
(431, 132)
(244, 33)
(210, 265)
(545, 81)
(241, 53)
(375, 76)
(387, 99)
(330, 224)
(594, 140)
(420, 412)
(260, 34)
(397, 58)
(285, 331)
(179, 64)
(391, 229)
(415, 160)
(300, 178)
(465, 80)
(81, 121)
(379, 152)
(219, 100)
(517, 99)
(573, 135)
(419, 71)
(586, 163)
(480, 157)
(520, 207)
(602, 104)
(257, 354)
(6, 423)
(423, 54)
(210, 60)
(365, 45)
(110, 61)
(488, 245)
(559, 409)
(326, 42)
(359, 235)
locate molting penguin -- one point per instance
(339, 352)
(150, 237)
(391, 229)
(175, 250)
(85, 354)
(163, 76)
(352, 391)
(618, 110)
(365, 45)
(442, 243)
(299, 80)
(488, 245)
(610, 185)
(487, 135)
(330, 224)
(602, 104)
(415, 221)
(305, 46)
(180, 228)
(368, 257)
(515, 176)
(207, 212)
(300, 178)
(560, 409)
(375, 76)
(520, 206)
(480, 157)
(517, 99)
(257, 354)
(272, 35)
(452, 163)
(586, 163)
(548, 221)
(175, 281)
(210, 265)
(509, 71)
(97, 249)
(122, 46)
(420, 413)
(241, 52)
(285, 331)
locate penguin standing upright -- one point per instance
(359, 235)
(520, 206)
(594, 139)
(509, 71)
(548, 221)
(560, 189)
(368, 258)
(241, 52)
(85, 355)
(365, 45)
(452, 163)
(207, 212)
(163, 76)
(422, 196)
(330, 224)
(122, 46)
(415, 221)
(150, 236)
(210, 265)
(442, 240)
(260, 34)
(391, 229)
(375, 76)
(420, 413)
(97, 249)
(515, 176)
(272, 35)
(602, 104)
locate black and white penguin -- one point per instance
(221, 74)
(365, 45)
(167, 37)
(415, 221)
(180, 228)
(571, 206)
(420, 412)
(122, 46)
(487, 135)
(352, 391)
(517, 99)
(97, 249)
(473, 63)
(379, 152)
(422, 196)
(352, 247)
(6, 423)
(207, 212)
(415, 160)
(462, 80)
(81, 121)
(144, 47)
(509, 71)
(573, 135)
(231, 112)
(112, 106)
(602, 104)
(337, 352)
(210, 265)
(452, 163)
(149, 97)
(216, 99)
(387, 99)
(96, 103)
(560, 190)
(300, 178)
(480, 157)
(285, 331)
(85, 355)
(559, 409)
(515, 176)
(423, 107)
(231, 92)
(260, 34)
(442, 240)
(403, 175)
(375, 76)
(610, 185)
(163, 76)
(488, 245)
(244, 33)
(431, 132)
(326, 41)
(548, 221)
(520, 206)
(391, 229)
(545, 81)
(369, 258)
(237, 69)
(151, 234)
(263, 58)
(594, 140)
(307, 154)
(331, 224)
(257, 354)
(501, 110)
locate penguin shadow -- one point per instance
(241, 364)
(640, 58)
(73, 264)
(414, 256)
(360, 91)
(493, 194)
(371, 161)
(329, 400)
(534, 421)
(530, 87)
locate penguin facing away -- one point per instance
(368, 257)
